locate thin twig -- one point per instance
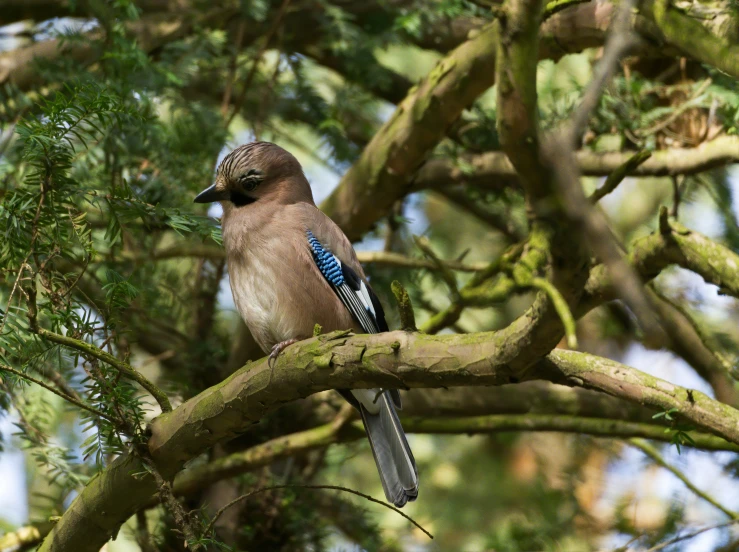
(692, 535)
(329, 487)
(405, 307)
(58, 393)
(24, 264)
(593, 223)
(561, 306)
(250, 76)
(617, 176)
(124, 368)
(232, 68)
(620, 40)
(180, 515)
(677, 112)
(446, 274)
(677, 182)
(650, 451)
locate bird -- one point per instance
(291, 267)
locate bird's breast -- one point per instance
(255, 287)
(277, 288)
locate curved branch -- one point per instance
(652, 453)
(380, 258)
(630, 384)
(529, 397)
(693, 39)
(337, 360)
(194, 479)
(379, 177)
(494, 170)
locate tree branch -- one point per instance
(693, 39)
(72, 400)
(656, 457)
(125, 369)
(394, 360)
(380, 176)
(493, 169)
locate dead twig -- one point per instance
(209, 527)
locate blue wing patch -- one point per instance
(356, 295)
(329, 265)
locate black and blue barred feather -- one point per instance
(393, 456)
(329, 265)
(357, 296)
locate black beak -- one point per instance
(209, 195)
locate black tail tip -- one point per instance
(407, 496)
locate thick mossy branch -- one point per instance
(380, 176)
(518, 115)
(405, 307)
(693, 251)
(674, 244)
(627, 383)
(693, 39)
(339, 360)
(197, 478)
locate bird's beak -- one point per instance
(211, 194)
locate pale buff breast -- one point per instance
(276, 286)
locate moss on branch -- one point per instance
(518, 120)
(630, 384)
(380, 176)
(494, 170)
(405, 307)
(693, 39)
(339, 360)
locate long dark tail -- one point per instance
(393, 456)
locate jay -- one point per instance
(292, 267)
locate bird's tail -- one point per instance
(392, 454)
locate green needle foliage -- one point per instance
(114, 302)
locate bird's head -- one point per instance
(257, 171)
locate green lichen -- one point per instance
(405, 307)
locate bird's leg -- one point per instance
(276, 350)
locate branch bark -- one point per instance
(395, 360)
(380, 176)
(494, 170)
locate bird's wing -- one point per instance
(336, 260)
(353, 291)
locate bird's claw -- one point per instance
(277, 349)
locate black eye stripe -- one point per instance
(240, 199)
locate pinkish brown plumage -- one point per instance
(291, 267)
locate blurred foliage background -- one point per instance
(114, 114)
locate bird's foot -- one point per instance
(277, 349)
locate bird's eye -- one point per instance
(251, 179)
